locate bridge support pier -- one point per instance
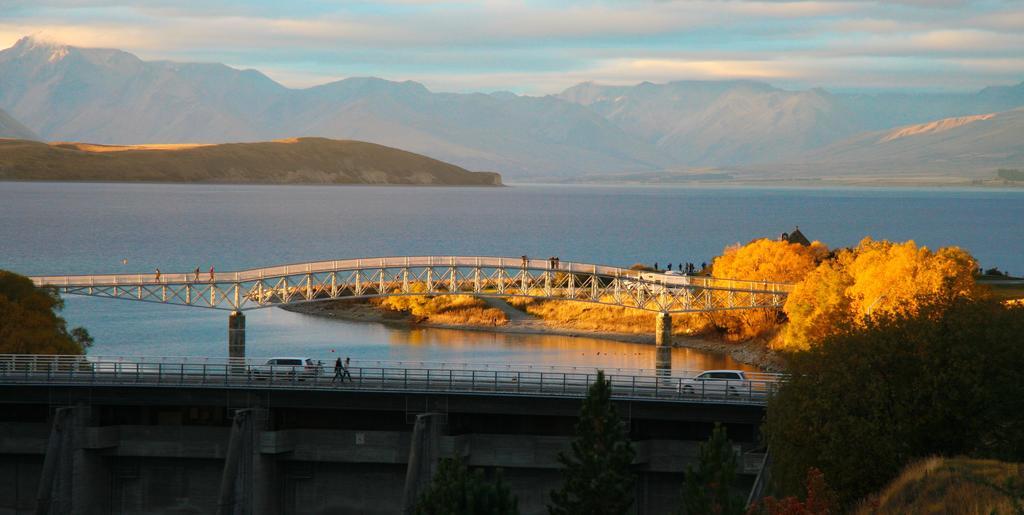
(236, 336)
(424, 453)
(248, 478)
(73, 477)
(663, 330)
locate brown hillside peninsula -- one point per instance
(292, 161)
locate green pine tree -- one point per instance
(456, 490)
(706, 489)
(597, 475)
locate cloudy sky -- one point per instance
(540, 47)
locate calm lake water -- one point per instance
(53, 228)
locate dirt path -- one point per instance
(513, 314)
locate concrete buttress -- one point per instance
(424, 453)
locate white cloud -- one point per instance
(538, 48)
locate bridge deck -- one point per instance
(487, 380)
(431, 275)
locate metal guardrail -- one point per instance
(242, 374)
(489, 262)
(125, 362)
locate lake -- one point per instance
(55, 228)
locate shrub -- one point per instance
(596, 317)
(443, 309)
(29, 323)
(875, 278)
(456, 489)
(901, 386)
(761, 260)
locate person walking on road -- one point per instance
(337, 371)
(157, 275)
(197, 274)
(344, 371)
(211, 273)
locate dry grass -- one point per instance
(95, 147)
(1006, 292)
(293, 161)
(445, 309)
(596, 317)
(957, 486)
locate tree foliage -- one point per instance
(901, 386)
(762, 260)
(29, 323)
(769, 260)
(597, 475)
(707, 489)
(819, 499)
(875, 278)
(457, 490)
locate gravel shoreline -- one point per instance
(749, 353)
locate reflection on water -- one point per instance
(559, 350)
(371, 341)
(663, 363)
(274, 332)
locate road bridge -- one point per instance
(480, 276)
(487, 379)
(171, 435)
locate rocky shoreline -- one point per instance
(750, 353)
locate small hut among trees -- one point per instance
(795, 237)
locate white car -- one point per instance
(716, 383)
(288, 367)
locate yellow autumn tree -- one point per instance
(818, 305)
(762, 260)
(876, 277)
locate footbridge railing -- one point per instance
(429, 275)
(487, 379)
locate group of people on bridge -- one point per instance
(341, 371)
(686, 268)
(195, 274)
(553, 262)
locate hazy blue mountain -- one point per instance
(967, 146)
(110, 96)
(512, 134)
(723, 123)
(13, 129)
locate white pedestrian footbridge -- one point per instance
(429, 275)
(481, 276)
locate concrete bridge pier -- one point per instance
(236, 336)
(73, 476)
(663, 330)
(424, 454)
(248, 477)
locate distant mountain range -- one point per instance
(943, 148)
(294, 161)
(589, 130)
(11, 128)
